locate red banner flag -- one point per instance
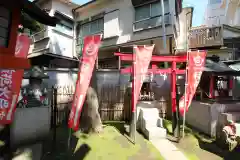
(90, 51)
(143, 56)
(10, 83)
(196, 63)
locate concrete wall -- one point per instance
(204, 115)
(63, 8)
(185, 23)
(223, 12)
(61, 41)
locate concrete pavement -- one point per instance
(168, 150)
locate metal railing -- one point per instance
(40, 35)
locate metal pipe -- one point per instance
(163, 27)
(186, 75)
(74, 34)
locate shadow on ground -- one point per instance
(198, 146)
(64, 149)
(117, 125)
(213, 148)
(111, 144)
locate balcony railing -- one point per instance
(40, 35)
(205, 37)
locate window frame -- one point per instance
(14, 21)
(151, 17)
(80, 38)
(90, 24)
(67, 20)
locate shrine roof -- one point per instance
(219, 68)
(38, 14)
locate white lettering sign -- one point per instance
(4, 92)
(3, 103)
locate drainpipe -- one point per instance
(74, 33)
(163, 26)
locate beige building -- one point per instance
(124, 23)
(54, 46)
(220, 12)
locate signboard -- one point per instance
(10, 83)
(90, 51)
(143, 56)
(196, 63)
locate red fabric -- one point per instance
(196, 63)
(143, 56)
(211, 89)
(230, 83)
(10, 83)
(90, 51)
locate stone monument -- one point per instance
(32, 118)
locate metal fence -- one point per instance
(62, 97)
(112, 103)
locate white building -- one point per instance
(220, 12)
(124, 23)
(53, 46)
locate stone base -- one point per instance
(155, 133)
(31, 152)
(150, 124)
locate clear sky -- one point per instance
(80, 1)
(199, 10)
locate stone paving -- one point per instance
(168, 150)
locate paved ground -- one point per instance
(168, 150)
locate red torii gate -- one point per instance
(155, 70)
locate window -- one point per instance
(5, 16)
(215, 1)
(150, 15)
(65, 25)
(92, 27)
(111, 24)
(89, 28)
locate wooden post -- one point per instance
(97, 63)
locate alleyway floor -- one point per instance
(112, 144)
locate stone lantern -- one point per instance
(35, 114)
(35, 94)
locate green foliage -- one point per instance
(30, 23)
(112, 145)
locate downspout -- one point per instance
(74, 33)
